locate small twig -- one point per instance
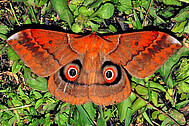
(147, 12)
(15, 108)
(157, 109)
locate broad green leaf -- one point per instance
(96, 4)
(147, 118)
(3, 29)
(139, 103)
(94, 26)
(181, 104)
(128, 115)
(84, 114)
(16, 66)
(155, 114)
(155, 98)
(38, 103)
(184, 87)
(141, 90)
(76, 28)
(90, 110)
(156, 86)
(37, 94)
(167, 66)
(112, 28)
(138, 81)
(186, 29)
(125, 5)
(105, 11)
(182, 16)
(101, 121)
(83, 10)
(161, 117)
(179, 27)
(11, 54)
(179, 117)
(137, 24)
(123, 108)
(11, 121)
(38, 83)
(61, 7)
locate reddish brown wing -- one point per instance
(142, 53)
(43, 51)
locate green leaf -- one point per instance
(138, 104)
(141, 90)
(101, 121)
(137, 24)
(184, 87)
(182, 16)
(156, 86)
(167, 66)
(186, 29)
(37, 94)
(38, 83)
(3, 29)
(105, 11)
(96, 4)
(155, 98)
(179, 117)
(179, 27)
(38, 103)
(128, 115)
(76, 28)
(147, 118)
(155, 114)
(11, 121)
(61, 7)
(181, 104)
(112, 28)
(16, 67)
(11, 54)
(168, 12)
(83, 10)
(90, 110)
(125, 5)
(84, 114)
(123, 108)
(161, 117)
(88, 2)
(41, 2)
(94, 26)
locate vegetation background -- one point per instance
(161, 99)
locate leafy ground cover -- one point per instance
(161, 99)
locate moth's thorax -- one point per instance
(91, 71)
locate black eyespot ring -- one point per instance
(70, 72)
(111, 72)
